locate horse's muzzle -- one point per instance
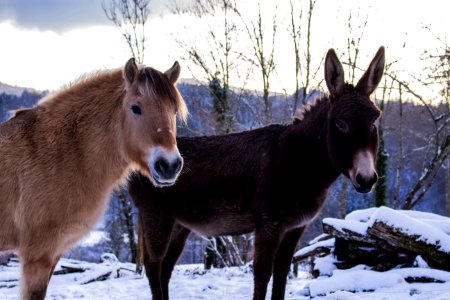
(165, 166)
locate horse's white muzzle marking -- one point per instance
(165, 165)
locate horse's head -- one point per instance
(352, 133)
(151, 105)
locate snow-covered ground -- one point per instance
(192, 282)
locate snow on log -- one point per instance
(383, 239)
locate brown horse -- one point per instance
(272, 180)
(60, 160)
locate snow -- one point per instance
(425, 232)
(349, 225)
(93, 238)
(355, 281)
(193, 282)
(326, 243)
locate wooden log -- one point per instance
(67, 269)
(99, 276)
(319, 248)
(352, 253)
(396, 237)
(350, 235)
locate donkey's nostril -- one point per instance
(360, 180)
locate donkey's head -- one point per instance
(352, 133)
(151, 105)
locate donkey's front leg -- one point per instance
(267, 240)
(283, 261)
(157, 230)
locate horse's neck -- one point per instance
(92, 109)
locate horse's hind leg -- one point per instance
(283, 261)
(36, 273)
(176, 246)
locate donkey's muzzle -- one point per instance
(364, 184)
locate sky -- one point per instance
(49, 43)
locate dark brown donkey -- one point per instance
(272, 180)
(60, 160)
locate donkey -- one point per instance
(60, 160)
(272, 180)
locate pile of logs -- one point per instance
(381, 238)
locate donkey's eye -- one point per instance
(136, 110)
(341, 125)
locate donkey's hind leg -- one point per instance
(36, 273)
(176, 246)
(283, 261)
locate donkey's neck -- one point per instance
(309, 143)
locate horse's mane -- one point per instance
(156, 84)
(151, 83)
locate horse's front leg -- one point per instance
(283, 261)
(36, 273)
(267, 240)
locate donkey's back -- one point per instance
(219, 183)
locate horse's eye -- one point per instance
(136, 110)
(341, 125)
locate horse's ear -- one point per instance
(131, 70)
(334, 74)
(173, 73)
(372, 77)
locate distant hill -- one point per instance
(15, 90)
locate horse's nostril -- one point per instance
(166, 169)
(177, 165)
(161, 166)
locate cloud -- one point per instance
(60, 15)
(55, 15)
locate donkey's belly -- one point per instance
(223, 224)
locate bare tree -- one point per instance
(219, 60)
(304, 73)
(263, 57)
(130, 16)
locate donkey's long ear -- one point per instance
(173, 73)
(371, 78)
(131, 71)
(334, 73)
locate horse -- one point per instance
(60, 160)
(272, 181)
